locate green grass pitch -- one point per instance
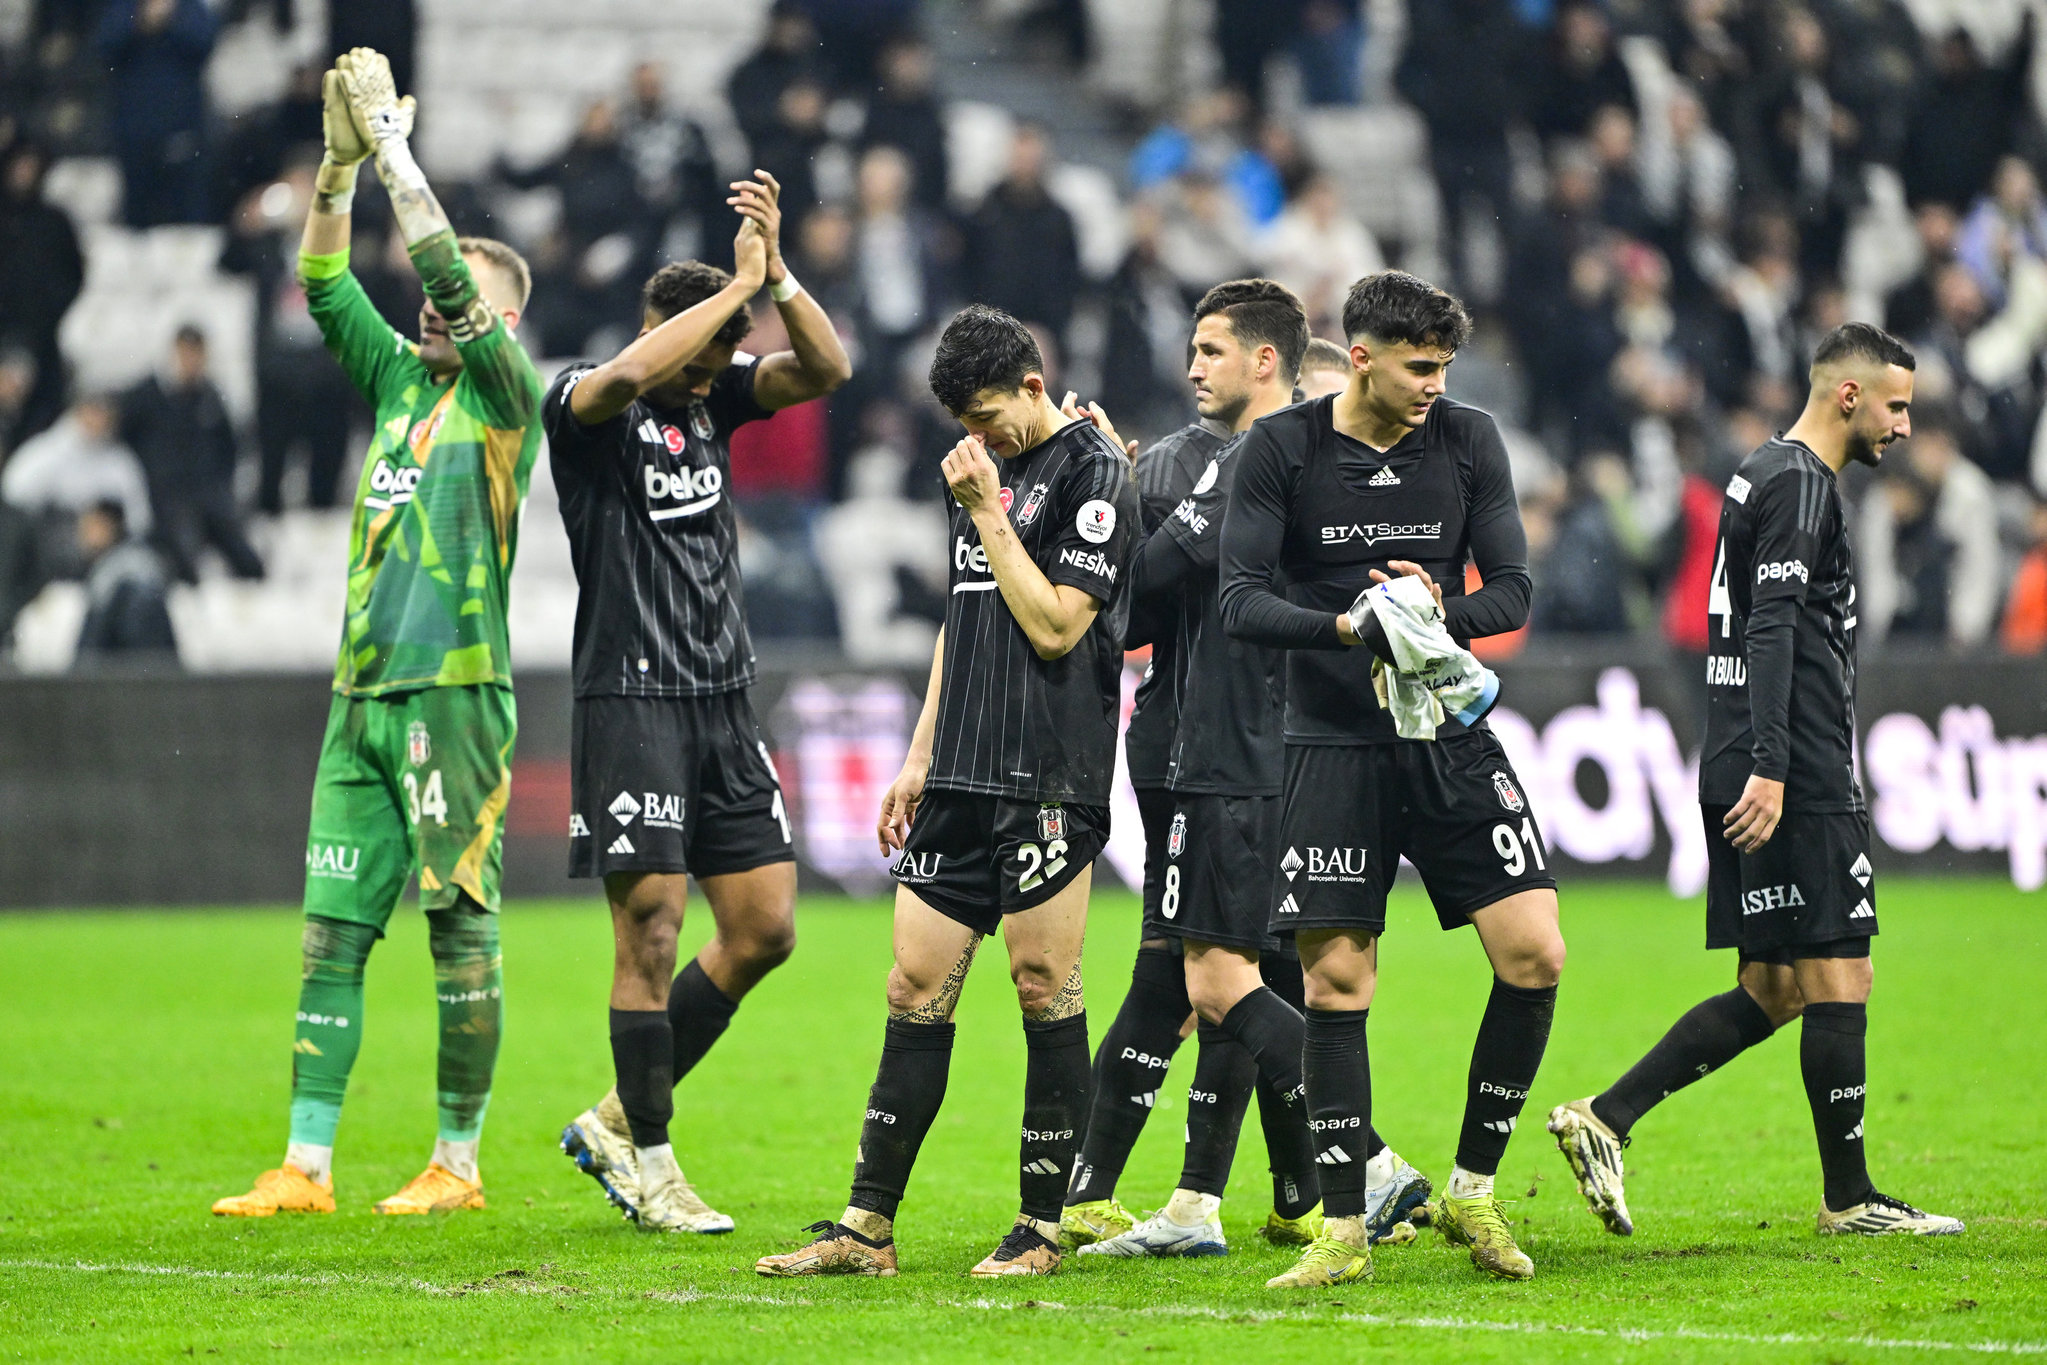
(145, 1067)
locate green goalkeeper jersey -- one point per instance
(436, 521)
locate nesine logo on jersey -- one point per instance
(1194, 520)
(394, 483)
(703, 487)
(1372, 532)
(1091, 561)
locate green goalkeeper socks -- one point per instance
(468, 982)
(329, 1026)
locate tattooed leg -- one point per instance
(938, 1009)
(1064, 1004)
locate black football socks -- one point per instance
(1831, 1056)
(1129, 1067)
(1504, 1060)
(1271, 1031)
(643, 1056)
(1337, 1071)
(1709, 1036)
(909, 1086)
(698, 1013)
(1223, 1076)
(1055, 1106)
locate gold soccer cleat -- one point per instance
(285, 1190)
(434, 1190)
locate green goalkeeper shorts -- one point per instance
(413, 782)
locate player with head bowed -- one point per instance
(670, 777)
(415, 770)
(1389, 477)
(1789, 884)
(1002, 804)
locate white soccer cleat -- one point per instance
(1883, 1214)
(668, 1204)
(1594, 1153)
(606, 1156)
(1159, 1235)
(1390, 1206)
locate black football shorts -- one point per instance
(672, 784)
(1809, 892)
(976, 858)
(1219, 857)
(1452, 806)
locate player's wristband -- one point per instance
(334, 185)
(788, 289)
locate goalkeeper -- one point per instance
(415, 770)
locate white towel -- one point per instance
(1431, 675)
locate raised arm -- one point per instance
(1053, 615)
(816, 361)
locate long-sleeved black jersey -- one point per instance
(1315, 511)
(1780, 666)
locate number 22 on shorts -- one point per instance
(1038, 864)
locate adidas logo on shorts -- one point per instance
(620, 845)
(1385, 478)
(1862, 910)
(1289, 906)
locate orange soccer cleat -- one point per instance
(284, 1190)
(435, 1190)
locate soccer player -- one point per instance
(415, 770)
(1225, 774)
(670, 777)
(1789, 883)
(1002, 804)
(1390, 477)
(1325, 369)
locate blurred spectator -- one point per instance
(1545, 243)
(1623, 204)
(789, 52)
(1583, 74)
(1927, 551)
(1206, 139)
(1463, 70)
(1319, 249)
(882, 552)
(1877, 69)
(1763, 292)
(1581, 569)
(1248, 33)
(76, 463)
(1205, 236)
(1144, 357)
(179, 428)
(1966, 119)
(1022, 255)
(389, 26)
(1687, 625)
(2025, 614)
(677, 177)
(1802, 146)
(156, 52)
(1687, 175)
(259, 143)
(302, 396)
(1329, 48)
(853, 33)
(2008, 221)
(788, 144)
(127, 618)
(1710, 48)
(1909, 309)
(898, 254)
(41, 273)
(1983, 366)
(905, 113)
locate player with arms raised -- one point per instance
(1789, 883)
(1002, 804)
(415, 770)
(670, 775)
(1390, 477)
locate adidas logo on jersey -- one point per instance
(620, 845)
(1385, 478)
(1291, 864)
(624, 808)
(1862, 910)
(1862, 871)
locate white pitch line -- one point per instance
(1632, 1335)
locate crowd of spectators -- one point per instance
(1653, 206)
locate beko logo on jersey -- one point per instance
(390, 485)
(1726, 670)
(1372, 532)
(1782, 569)
(702, 488)
(1092, 561)
(1771, 898)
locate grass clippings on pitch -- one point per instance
(146, 1067)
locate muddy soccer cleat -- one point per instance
(1292, 1232)
(1882, 1215)
(1593, 1151)
(284, 1190)
(1025, 1251)
(1390, 1207)
(1095, 1221)
(666, 1201)
(605, 1154)
(835, 1250)
(1481, 1224)
(1325, 1264)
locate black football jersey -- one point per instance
(660, 612)
(1312, 512)
(1010, 723)
(1166, 473)
(1230, 694)
(1780, 663)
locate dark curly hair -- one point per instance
(1396, 306)
(982, 348)
(682, 285)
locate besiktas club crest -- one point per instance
(1032, 505)
(700, 422)
(1051, 823)
(1176, 839)
(1510, 796)
(419, 747)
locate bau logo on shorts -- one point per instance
(918, 867)
(1331, 864)
(338, 861)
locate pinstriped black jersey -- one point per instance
(1780, 663)
(1010, 723)
(1166, 473)
(661, 612)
